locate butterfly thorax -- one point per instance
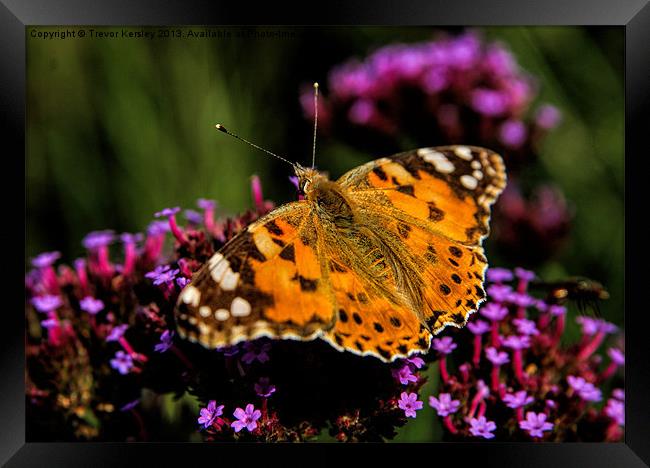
(328, 198)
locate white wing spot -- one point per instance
(477, 175)
(476, 164)
(468, 182)
(222, 315)
(240, 307)
(439, 160)
(229, 280)
(191, 295)
(205, 311)
(218, 268)
(463, 152)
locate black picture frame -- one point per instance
(632, 15)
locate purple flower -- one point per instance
(206, 204)
(47, 303)
(499, 275)
(499, 292)
(478, 327)
(129, 238)
(162, 274)
(122, 362)
(494, 311)
(91, 305)
(256, 351)
(517, 341)
(499, 61)
(97, 239)
(246, 418)
(619, 394)
(361, 111)
(556, 310)
(167, 212)
(404, 375)
(208, 414)
(616, 355)
(481, 427)
(52, 322)
(193, 217)
(166, 341)
(517, 400)
(535, 424)
(615, 409)
(524, 275)
(182, 281)
(444, 345)
(586, 390)
(158, 227)
(416, 361)
(513, 133)
(264, 388)
(548, 116)
(497, 358)
(409, 403)
(521, 299)
(444, 405)
(45, 259)
(489, 102)
(525, 326)
(591, 326)
(117, 332)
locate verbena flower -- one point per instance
(481, 427)
(535, 424)
(122, 362)
(208, 414)
(166, 341)
(444, 405)
(264, 388)
(91, 305)
(246, 418)
(410, 404)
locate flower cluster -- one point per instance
(450, 90)
(101, 340)
(514, 379)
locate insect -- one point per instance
(375, 263)
(585, 292)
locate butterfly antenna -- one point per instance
(223, 129)
(313, 154)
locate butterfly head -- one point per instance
(308, 178)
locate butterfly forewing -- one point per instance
(265, 282)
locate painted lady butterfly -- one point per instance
(374, 263)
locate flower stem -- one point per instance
(449, 425)
(591, 346)
(443, 369)
(518, 366)
(476, 359)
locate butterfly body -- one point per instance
(375, 263)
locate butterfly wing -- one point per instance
(368, 322)
(436, 202)
(267, 281)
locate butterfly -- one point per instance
(375, 263)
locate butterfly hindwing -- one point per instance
(267, 281)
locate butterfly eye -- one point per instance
(305, 185)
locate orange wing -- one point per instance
(436, 203)
(267, 281)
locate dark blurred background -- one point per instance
(120, 128)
